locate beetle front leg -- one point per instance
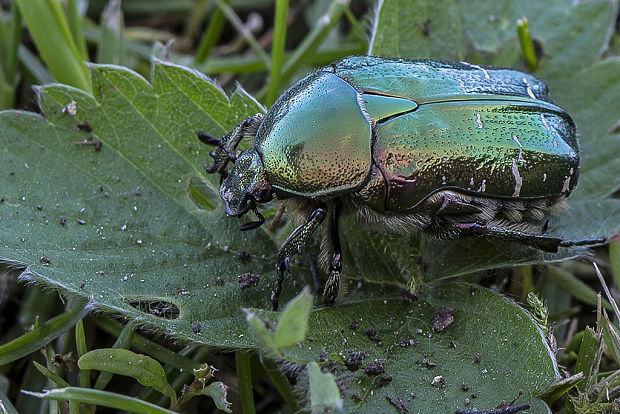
(292, 246)
(226, 146)
(332, 286)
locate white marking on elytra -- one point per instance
(544, 177)
(461, 84)
(443, 180)
(471, 182)
(518, 179)
(478, 120)
(521, 159)
(566, 185)
(483, 186)
(486, 74)
(544, 121)
(529, 90)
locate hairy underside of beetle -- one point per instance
(438, 214)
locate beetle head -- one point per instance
(245, 187)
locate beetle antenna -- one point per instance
(253, 224)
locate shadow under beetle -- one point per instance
(452, 149)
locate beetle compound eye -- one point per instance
(263, 195)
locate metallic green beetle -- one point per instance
(452, 149)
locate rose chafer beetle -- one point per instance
(452, 149)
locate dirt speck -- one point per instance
(247, 280)
(442, 319)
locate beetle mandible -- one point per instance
(452, 149)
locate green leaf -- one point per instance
(52, 376)
(292, 326)
(324, 393)
(426, 29)
(493, 348)
(218, 391)
(102, 398)
(42, 334)
(144, 369)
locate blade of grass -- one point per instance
(614, 260)
(111, 48)
(281, 383)
(7, 406)
(527, 45)
(10, 77)
(102, 398)
(80, 345)
(244, 375)
(41, 335)
(314, 38)
(247, 35)
(246, 64)
(48, 27)
(75, 24)
(568, 282)
(37, 70)
(211, 35)
(614, 305)
(277, 50)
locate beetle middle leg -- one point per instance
(292, 246)
(330, 291)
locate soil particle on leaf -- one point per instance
(84, 126)
(353, 325)
(442, 319)
(438, 381)
(45, 261)
(428, 363)
(398, 403)
(81, 221)
(464, 387)
(354, 361)
(219, 281)
(62, 221)
(244, 256)
(196, 327)
(39, 207)
(405, 343)
(374, 369)
(477, 359)
(384, 380)
(372, 334)
(356, 397)
(138, 191)
(247, 280)
(323, 356)
(2, 199)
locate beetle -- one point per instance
(452, 149)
